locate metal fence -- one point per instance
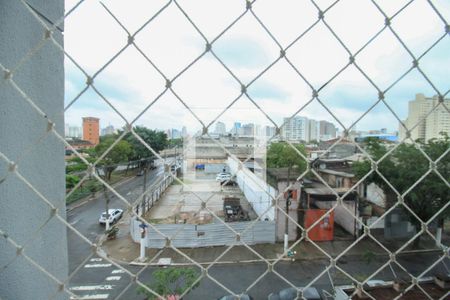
(152, 195)
(206, 235)
(50, 29)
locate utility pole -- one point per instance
(286, 225)
(144, 189)
(143, 228)
(105, 192)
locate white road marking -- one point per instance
(118, 271)
(92, 296)
(96, 259)
(91, 287)
(113, 278)
(97, 265)
(74, 222)
(128, 193)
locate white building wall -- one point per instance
(258, 193)
(376, 195)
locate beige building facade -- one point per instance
(437, 121)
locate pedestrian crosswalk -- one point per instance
(102, 291)
(91, 297)
(113, 278)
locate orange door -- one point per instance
(324, 230)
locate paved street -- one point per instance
(106, 281)
(85, 219)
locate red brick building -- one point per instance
(91, 130)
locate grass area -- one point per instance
(185, 181)
(91, 186)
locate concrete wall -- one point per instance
(397, 225)
(293, 230)
(256, 190)
(217, 234)
(38, 154)
(376, 195)
(216, 168)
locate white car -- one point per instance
(114, 215)
(223, 177)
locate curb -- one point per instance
(249, 261)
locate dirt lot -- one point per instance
(183, 204)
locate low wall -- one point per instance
(153, 194)
(194, 236)
(256, 191)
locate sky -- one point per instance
(131, 84)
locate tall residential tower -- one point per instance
(437, 121)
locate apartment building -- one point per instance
(429, 126)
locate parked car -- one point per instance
(231, 297)
(114, 215)
(199, 166)
(222, 177)
(310, 293)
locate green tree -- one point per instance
(120, 153)
(282, 155)
(403, 168)
(157, 140)
(171, 282)
(71, 181)
(75, 164)
(175, 142)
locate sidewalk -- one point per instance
(124, 250)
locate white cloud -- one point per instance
(92, 37)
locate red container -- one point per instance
(324, 230)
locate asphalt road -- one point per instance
(107, 281)
(85, 218)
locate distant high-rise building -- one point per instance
(220, 128)
(313, 130)
(247, 130)
(327, 130)
(437, 121)
(184, 132)
(74, 132)
(108, 130)
(236, 128)
(269, 131)
(295, 128)
(258, 131)
(91, 131)
(175, 134)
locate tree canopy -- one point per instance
(157, 140)
(282, 155)
(404, 167)
(171, 282)
(121, 152)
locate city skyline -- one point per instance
(130, 83)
